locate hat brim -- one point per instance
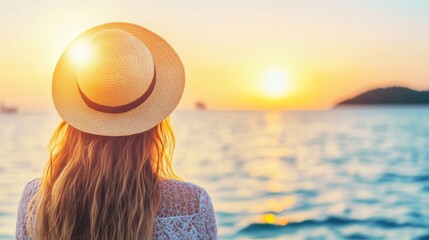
(170, 83)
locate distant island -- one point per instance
(388, 96)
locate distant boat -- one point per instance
(8, 110)
(200, 105)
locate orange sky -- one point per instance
(329, 49)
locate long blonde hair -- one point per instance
(100, 187)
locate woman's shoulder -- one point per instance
(185, 212)
(31, 188)
(178, 185)
(179, 198)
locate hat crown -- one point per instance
(119, 69)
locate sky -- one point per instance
(254, 54)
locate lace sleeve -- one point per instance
(208, 228)
(21, 224)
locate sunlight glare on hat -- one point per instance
(81, 52)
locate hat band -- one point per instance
(123, 108)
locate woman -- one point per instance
(109, 175)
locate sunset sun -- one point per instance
(276, 83)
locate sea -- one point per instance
(347, 173)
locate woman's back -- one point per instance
(185, 212)
(110, 156)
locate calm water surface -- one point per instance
(342, 174)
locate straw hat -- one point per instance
(117, 79)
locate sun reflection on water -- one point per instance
(271, 218)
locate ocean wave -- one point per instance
(422, 237)
(332, 221)
(358, 236)
(394, 177)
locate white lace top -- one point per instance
(185, 212)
